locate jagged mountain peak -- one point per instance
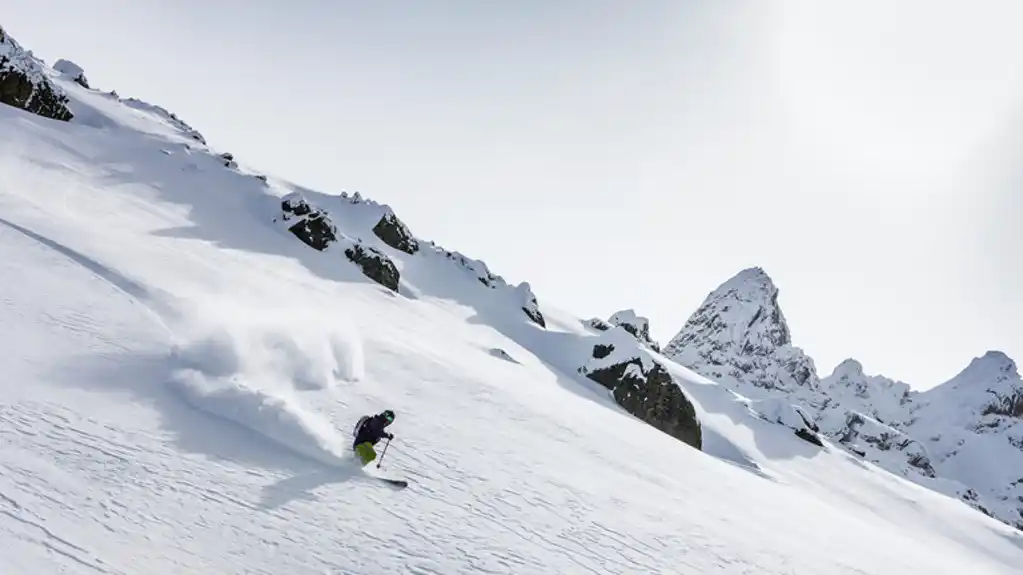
(739, 331)
(744, 304)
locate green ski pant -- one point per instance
(365, 452)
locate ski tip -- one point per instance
(399, 483)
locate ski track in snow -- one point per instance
(181, 379)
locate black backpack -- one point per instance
(358, 425)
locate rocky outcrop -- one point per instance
(396, 234)
(739, 334)
(72, 71)
(881, 444)
(783, 412)
(645, 389)
(529, 304)
(24, 84)
(313, 226)
(374, 264)
(636, 325)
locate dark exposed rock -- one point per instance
(228, 160)
(781, 411)
(1009, 405)
(810, 437)
(396, 234)
(313, 227)
(529, 304)
(375, 265)
(24, 85)
(600, 351)
(651, 395)
(599, 324)
(863, 432)
(294, 204)
(636, 325)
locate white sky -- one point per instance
(632, 154)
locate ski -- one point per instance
(399, 483)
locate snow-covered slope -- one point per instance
(963, 438)
(973, 427)
(181, 373)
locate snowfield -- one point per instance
(181, 376)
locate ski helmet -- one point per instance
(388, 415)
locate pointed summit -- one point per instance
(990, 384)
(992, 365)
(989, 370)
(740, 332)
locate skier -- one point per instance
(368, 432)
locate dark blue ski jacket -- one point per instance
(372, 430)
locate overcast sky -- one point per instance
(638, 153)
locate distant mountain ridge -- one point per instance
(963, 437)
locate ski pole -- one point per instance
(383, 453)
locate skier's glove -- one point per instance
(389, 436)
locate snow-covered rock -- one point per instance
(880, 443)
(395, 233)
(72, 71)
(228, 159)
(24, 83)
(740, 334)
(642, 386)
(374, 264)
(973, 426)
(529, 304)
(883, 399)
(311, 225)
(314, 226)
(989, 387)
(781, 411)
(635, 324)
(963, 438)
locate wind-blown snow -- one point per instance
(181, 379)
